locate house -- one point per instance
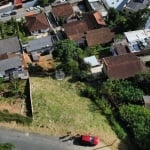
(18, 4)
(62, 11)
(122, 66)
(37, 46)
(135, 5)
(75, 30)
(96, 68)
(146, 100)
(37, 23)
(94, 20)
(138, 41)
(97, 5)
(6, 5)
(12, 67)
(117, 4)
(10, 45)
(99, 36)
(119, 49)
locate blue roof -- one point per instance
(92, 61)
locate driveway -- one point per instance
(30, 141)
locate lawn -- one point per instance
(58, 108)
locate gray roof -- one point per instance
(146, 99)
(92, 61)
(10, 45)
(39, 44)
(137, 5)
(10, 63)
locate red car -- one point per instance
(89, 140)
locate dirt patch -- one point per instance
(46, 62)
(12, 107)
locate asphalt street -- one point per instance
(30, 141)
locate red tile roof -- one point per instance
(99, 36)
(94, 20)
(62, 10)
(75, 30)
(17, 2)
(123, 66)
(37, 22)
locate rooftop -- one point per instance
(136, 5)
(10, 45)
(75, 30)
(99, 36)
(123, 66)
(92, 61)
(62, 10)
(98, 6)
(38, 44)
(37, 22)
(138, 40)
(118, 4)
(10, 63)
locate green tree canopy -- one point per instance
(137, 118)
(121, 91)
(142, 81)
(124, 21)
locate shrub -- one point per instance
(6, 146)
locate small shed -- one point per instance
(92, 61)
(146, 100)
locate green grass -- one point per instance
(58, 107)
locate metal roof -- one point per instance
(39, 44)
(92, 61)
(10, 45)
(10, 63)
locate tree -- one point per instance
(142, 81)
(124, 21)
(137, 118)
(69, 55)
(121, 91)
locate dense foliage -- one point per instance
(13, 28)
(142, 81)
(6, 146)
(137, 119)
(14, 88)
(123, 21)
(121, 91)
(71, 58)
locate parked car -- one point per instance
(89, 140)
(27, 10)
(13, 13)
(31, 8)
(4, 15)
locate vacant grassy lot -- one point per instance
(58, 109)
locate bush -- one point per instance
(6, 146)
(117, 128)
(105, 108)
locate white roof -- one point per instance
(115, 3)
(137, 35)
(91, 60)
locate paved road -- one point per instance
(28, 141)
